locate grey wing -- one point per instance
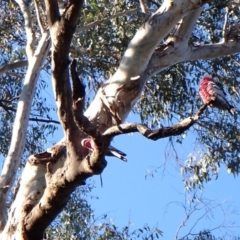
(220, 85)
(220, 95)
(216, 89)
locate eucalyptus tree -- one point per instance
(78, 221)
(142, 57)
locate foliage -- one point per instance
(78, 222)
(168, 97)
(13, 50)
(99, 47)
(173, 95)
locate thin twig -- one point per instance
(18, 76)
(207, 211)
(44, 120)
(200, 218)
(93, 24)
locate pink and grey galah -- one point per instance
(111, 151)
(212, 93)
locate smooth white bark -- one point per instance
(33, 177)
(123, 89)
(28, 28)
(117, 96)
(17, 145)
(7, 67)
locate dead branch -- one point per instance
(174, 130)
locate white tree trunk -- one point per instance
(49, 178)
(17, 145)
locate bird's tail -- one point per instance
(112, 151)
(119, 155)
(231, 110)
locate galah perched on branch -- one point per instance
(111, 151)
(212, 93)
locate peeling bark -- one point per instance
(50, 177)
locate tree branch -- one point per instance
(28, 28)
(98, 22)
(8, 67)
(78, 95)
(115, 104)
(176, 47)
(167, 55)
(134, 63)
(143, 6)
(174, 130)
(17, 145)
(62, 31)
(53, 13)
(40, 23)
(44, 120)
(213, 50)
(7, 109)
(185, 28)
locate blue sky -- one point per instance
(128, 196)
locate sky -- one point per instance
(149, 189)
(128, 195)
